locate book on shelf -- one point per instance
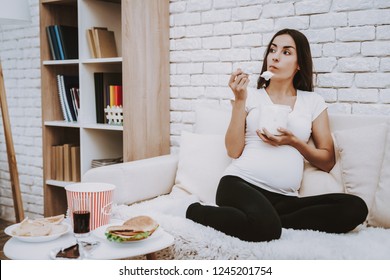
(91, 43)
(69, 41)
(52, 43)
(102, 42)
(108, 91)
(115, 96)
(57, 40)
(53, 162)
(75, 162)
(63, 41)
(69, 95)
(65, 163)
(59, 149)
(106, 161)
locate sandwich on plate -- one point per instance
(134, 229)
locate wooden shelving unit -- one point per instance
(142, 36)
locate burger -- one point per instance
(134, 229)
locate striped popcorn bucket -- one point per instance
(99, 197)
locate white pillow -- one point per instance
(361, 154)
(380, 211)
(316, 181)
(202, 161)
(212, 119)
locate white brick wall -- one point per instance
(19, 53)
(209, 39)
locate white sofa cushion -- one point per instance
(137, 180)
(380, 211)
(361, 152)
(316, 181)
(202, 161)
(212, 119)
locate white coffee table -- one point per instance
(19, 250)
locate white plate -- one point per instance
(33, 239)
(100, 232)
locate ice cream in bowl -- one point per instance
(272, 117)
(267, 75)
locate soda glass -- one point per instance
(81, 214)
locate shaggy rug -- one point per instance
(195, 241)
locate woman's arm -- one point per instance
(322, 155)
(235, 134)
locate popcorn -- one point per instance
(267, 75)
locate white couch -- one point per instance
(164, 186)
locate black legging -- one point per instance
(254, 214)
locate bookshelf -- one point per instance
(141, 30)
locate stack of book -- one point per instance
(101, 42)
(69, 95)
(106, 161)
(65, 163)
(108, 92)
(63, 41)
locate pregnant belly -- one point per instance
(278, 167)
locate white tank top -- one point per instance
(277, 169)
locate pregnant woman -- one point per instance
(258, 194)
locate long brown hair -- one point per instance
(303, 79)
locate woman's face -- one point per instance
(282, 59)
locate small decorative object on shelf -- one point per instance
(114, 115)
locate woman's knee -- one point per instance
(359, 209)
(354, 213)
(265, 231)
(260, 221)
(228, 189)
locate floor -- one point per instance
(3, 237)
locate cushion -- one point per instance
(212, 119)
(316, 181)
(380, 211)
(202, 161)
(361, 154)
(346, 121)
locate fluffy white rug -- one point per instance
(195, 241)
